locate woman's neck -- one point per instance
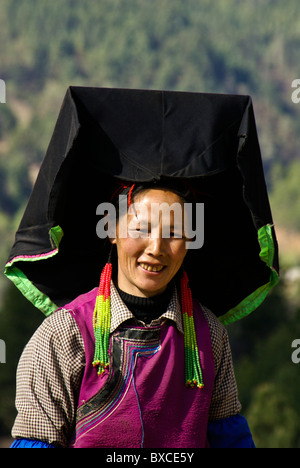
(147, 309)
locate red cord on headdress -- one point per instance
(123, 186)
(130, 194)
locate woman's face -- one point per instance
(147, 258)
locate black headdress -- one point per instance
(105, 135)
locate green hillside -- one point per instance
(222, 46)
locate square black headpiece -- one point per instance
(106, 135)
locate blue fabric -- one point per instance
(28, 443)
(231, 432)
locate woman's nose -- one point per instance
(155, 246)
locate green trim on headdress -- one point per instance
(254, 300)
(26, 287)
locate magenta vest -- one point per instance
(142, 400)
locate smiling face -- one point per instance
(148, 259)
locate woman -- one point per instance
(136, 362)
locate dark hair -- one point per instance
(177, 186)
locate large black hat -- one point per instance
(106, 135)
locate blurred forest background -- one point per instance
(221, 46)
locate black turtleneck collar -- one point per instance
(147, 309)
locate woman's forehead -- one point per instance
(154, 210)
(157, 195)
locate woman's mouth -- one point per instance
(151, 268)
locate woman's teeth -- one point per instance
(151, 268)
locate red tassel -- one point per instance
(186, 295)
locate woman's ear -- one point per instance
(111, 228)
(112, 240)
(106, 227)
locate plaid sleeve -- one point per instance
(225, 402)
(48, 380)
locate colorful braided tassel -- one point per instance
(193, 372)
(101, 320)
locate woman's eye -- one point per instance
(139, 232)
(176, 234)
